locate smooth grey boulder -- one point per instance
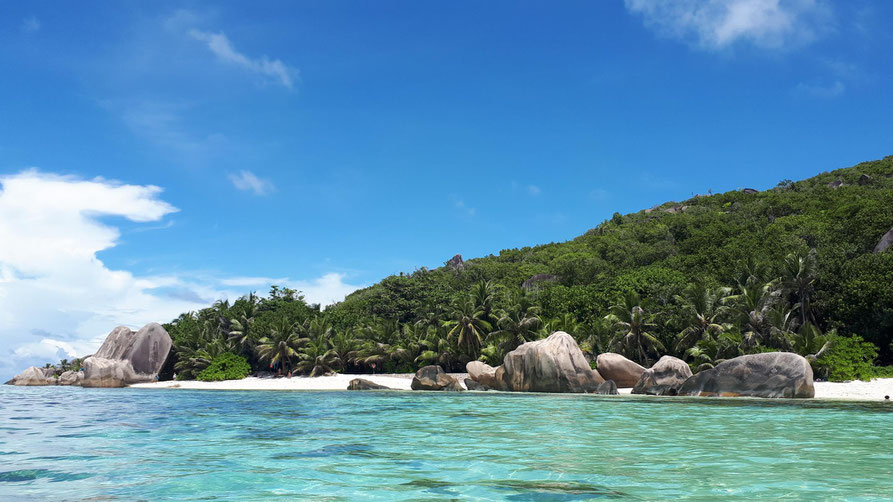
(70, 378)
(612, 366)
(608, 388)
(127, 357)
(482, 373)
(664, 378)
(33, 376)
(554, 364)
(770, 374)
(434, 378)
(885, 242)
(363, 384)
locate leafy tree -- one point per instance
(634, 325)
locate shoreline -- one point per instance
(856, 390)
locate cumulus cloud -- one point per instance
(56, 296)
(59, 300)
(220, 45)
(249, 182)
(717, 24)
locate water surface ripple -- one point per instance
(136, 444)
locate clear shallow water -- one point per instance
(137, 444)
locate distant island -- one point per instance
(801, 268)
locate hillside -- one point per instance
(656, 252)
(793, 268)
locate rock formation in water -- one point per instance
(770, 374)
(434, 378)
(32, 376)
(127, 357)
(554, 364)
(70, 378)
(608, 387)
(363, 384)
(664, 378)
(624, 372)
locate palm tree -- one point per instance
(752, 306)
(483, 295)
(517, 324)
(811, 343)
(798, 275)
(705, 312)
(468, 327)
(344, 343)
(567, 322)
(317, 359)
(633, 324)
(597, 337)
(282, 345)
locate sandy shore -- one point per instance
(874, 390)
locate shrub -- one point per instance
(849, 358)
(226, 366)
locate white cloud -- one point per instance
(30, 25)
(534, 190)
(460, 204)
(247, 181)
(59, 300)
(820, 89)
(220, 45)
(718, 24)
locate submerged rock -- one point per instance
(363, 384)
(770, 374)
(127, 357)
(554, 364)
(624, 372)
(482, 373)
(608, 387)
(32, 376)
(664, 378)
(434, 378)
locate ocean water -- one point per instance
(138, 444)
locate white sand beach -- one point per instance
(874, 390)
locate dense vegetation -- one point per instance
(792, 268)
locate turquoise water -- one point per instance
(132, 444)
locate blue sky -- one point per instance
(172, 153)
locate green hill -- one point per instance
(792, 268)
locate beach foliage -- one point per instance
(226, 366)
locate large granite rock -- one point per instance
(482, 373)
(475, 385)
(363, 384)
(33, 376)
(71, 378)
(434, 378)
(664, 378)
(624, 372)
(554, 364)
(771, 374)
(885, 242)
(127, 357)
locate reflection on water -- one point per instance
(127, 444)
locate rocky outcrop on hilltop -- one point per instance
(770, 374)
(664, 378)
(128, 357)
(554, 364)
(885, 242)
(612, 366)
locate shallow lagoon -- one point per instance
(136, 444)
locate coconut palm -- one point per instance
(633, 324)
(798, 276)
(517, 324)
(483, 295)
(317, 359)
(282, 345)
(468, 327)
(811, 343)
(705, 313)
